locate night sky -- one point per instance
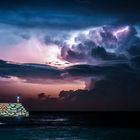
(70, 55)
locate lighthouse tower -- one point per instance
(18, 99)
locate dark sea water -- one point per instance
(70, 126)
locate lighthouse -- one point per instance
(13, 109)
(18, 99)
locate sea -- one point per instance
(72, 126)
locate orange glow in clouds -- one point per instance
(53, 87)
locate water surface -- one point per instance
(65, 126)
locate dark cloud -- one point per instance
(73, 56)
(26, 71)
(136, 61)
(41, 96)
(109, 5)
(118, 89)
(68, 15)
(101, 54)
(134, 49)
(53, 19)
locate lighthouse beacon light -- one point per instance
(18, 99)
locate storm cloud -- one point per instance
(89, 51)
(117, 89)
(8, 69)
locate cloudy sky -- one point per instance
(70, 55)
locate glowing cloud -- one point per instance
(121, 31)
(74, 48)
(35, 51)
